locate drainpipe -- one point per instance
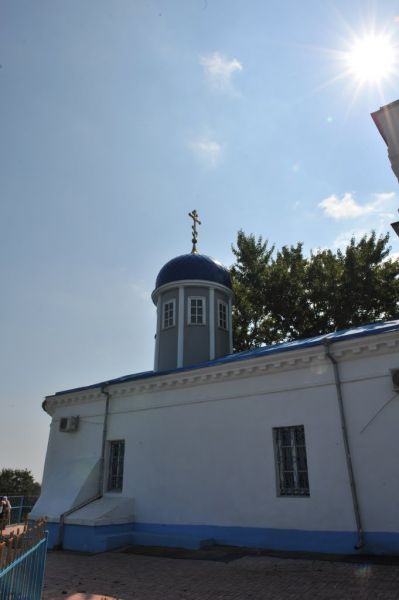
(352, 482)
(100, 477)
(104, 440)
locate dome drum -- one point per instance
(193, 295)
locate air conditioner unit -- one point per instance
(69, 424)
(395, 380)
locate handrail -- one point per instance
(19, 542)
(22, 562)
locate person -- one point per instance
(7, 510)
(2, 522)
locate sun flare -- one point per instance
(372, 58)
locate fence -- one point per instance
(20, 507)
(22, 562)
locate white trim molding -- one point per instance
(190, 283)
(230, 318)
(158, 332)
(164, 303)
(180, 329)
(189, 301)
(212, 332)
(236, 369)
(227, 318)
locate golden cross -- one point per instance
(194, 215)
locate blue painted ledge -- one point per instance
(107, 537)
(86, 538)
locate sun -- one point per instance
(372, 58)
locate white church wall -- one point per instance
(213, 461)
(72, 461)
(372, 409)
(199, 445)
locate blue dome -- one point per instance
(193, 266)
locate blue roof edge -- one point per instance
(334, 337)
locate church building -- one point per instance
(289, 447)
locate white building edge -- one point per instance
(250, 449)
(386, 120)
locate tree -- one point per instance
(18, 482)
(285, 295)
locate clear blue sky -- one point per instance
(117, 118)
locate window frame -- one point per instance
(225, 305)
(189, 301)
(172, 301)
(118, 474)
(298, 489)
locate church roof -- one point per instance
(336, 336)
(193, 266)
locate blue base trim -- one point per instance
(86, 538)
(106, 537)
(52, 529)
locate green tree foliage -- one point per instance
(18, 482)
(284, 295)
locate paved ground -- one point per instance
(122, 576)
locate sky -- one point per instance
(117, 118)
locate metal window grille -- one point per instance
(222, 315)
(291, 461)
(116, 459)
(196, 314)
(168, 314)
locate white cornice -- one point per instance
(251, 367)
(190, 283)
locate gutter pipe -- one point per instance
(352, 482)
(104, 440)
(100, 491)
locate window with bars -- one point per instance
(169, 318)
(196, 310)
(292, 468)
(115, 470)
(222, 315)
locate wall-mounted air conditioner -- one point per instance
(395, 380)
(69, 424)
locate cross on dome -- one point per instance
(194, 216)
